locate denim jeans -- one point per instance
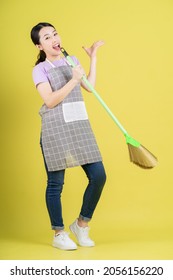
(55, 180)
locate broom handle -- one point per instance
(104, 105)
(96, 94)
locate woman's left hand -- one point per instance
(93, 49)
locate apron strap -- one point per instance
(53, 66)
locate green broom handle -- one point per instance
(96, 94)
(104, 104)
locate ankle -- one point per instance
(82, 223)
(57, 232)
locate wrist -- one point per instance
(94, 57)
(75, 81)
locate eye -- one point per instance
(47, 37)
(55, 34)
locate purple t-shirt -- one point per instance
(39, 73)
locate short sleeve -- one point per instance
(39, 75)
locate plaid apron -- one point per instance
(67, 137)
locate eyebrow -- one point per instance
(49, 34)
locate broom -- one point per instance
(138, 154)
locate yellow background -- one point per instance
(134, 218)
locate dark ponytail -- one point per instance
(41, 57)
(36, 39)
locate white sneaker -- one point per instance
(82, 235)
(63, 242)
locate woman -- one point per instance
(67, 139)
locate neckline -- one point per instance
(53, 65)
(50, 63)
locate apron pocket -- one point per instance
(74, 111)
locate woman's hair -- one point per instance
(36, 39)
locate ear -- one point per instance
(39, 47)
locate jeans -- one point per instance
(55, 180)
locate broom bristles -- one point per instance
(142, 157)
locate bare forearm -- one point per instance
(58, 96)
(53, 98)
(91, 77)
(92, 71)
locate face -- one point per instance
(50, 42)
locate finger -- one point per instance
(100, 43)
(84, 48)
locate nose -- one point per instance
(54, 39)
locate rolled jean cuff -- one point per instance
(57, 228)
(84, 218)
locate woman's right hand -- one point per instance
(78, 73)
(53, 98)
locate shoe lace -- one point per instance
(63, 235)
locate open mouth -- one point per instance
(57, 47)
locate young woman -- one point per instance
(67, 139)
